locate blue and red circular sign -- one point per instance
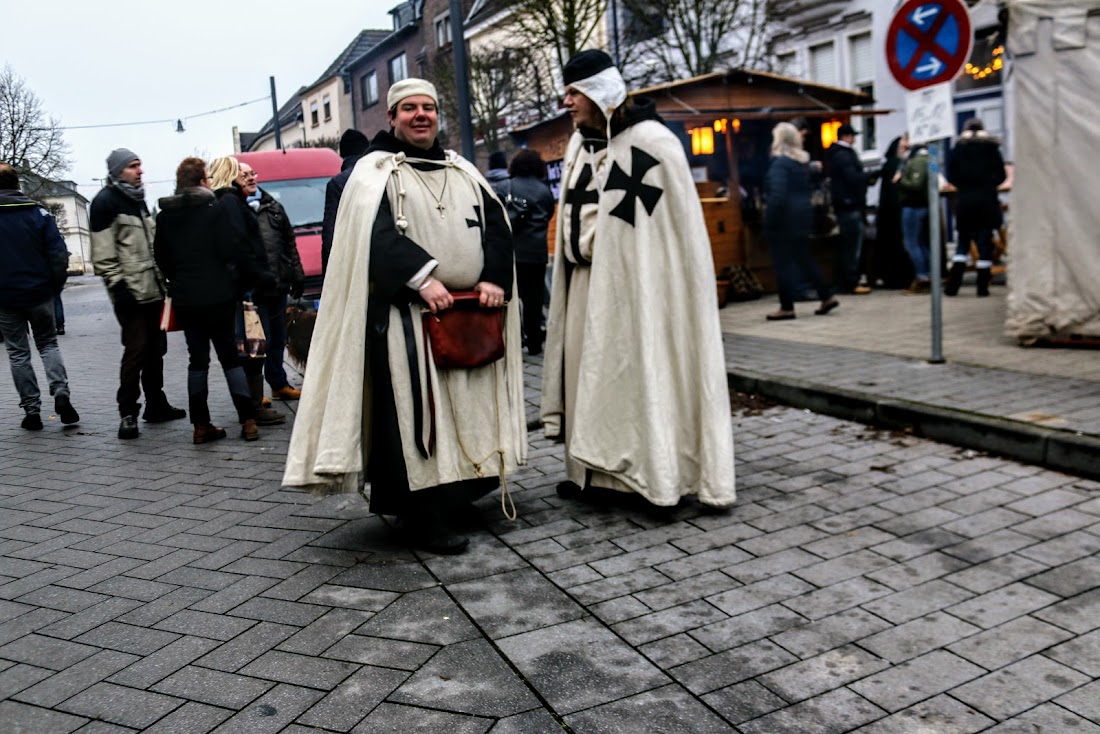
(928, 42)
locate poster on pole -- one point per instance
(930, 114)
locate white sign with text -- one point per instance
(930, 114)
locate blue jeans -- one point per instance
(13, 324)
(273, 317)
(850, 224)
(58, 312)
(914, 229)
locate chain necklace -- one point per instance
(438, 199)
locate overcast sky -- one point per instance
(124, 61)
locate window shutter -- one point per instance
(823, 64)
(862, 60)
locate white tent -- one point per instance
(1054, 270)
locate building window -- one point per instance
(986, 62)
(443, 31)
(369, 87)
(787, 64)
(313, 114)
(861, 64)
(398, 68)
(823, 64)
(326, 103)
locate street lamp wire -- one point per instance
(168, 121)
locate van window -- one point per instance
(303, 199)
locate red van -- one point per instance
(297, 178)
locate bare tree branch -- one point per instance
(30, 141)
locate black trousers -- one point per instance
(529, 283)
(143, 349)
(204, 326)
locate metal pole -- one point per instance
(462, 82)
(275, 117)
(615, 31)
(934, 244)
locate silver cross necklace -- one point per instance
(438, 199)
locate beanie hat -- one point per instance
(593, 74)
(353, 142)
(497, 159)
(119, 159)
(410, 88)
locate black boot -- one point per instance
(985, 277)
(264, 416)
(955, 278)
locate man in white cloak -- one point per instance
(415, 223)
(634, 378)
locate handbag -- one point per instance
(168, 316)
(516, 206)
(253, 343)
(466, 335)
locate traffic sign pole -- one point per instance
(935, 260)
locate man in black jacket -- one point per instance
(353, 146)
(848, 186)
(35, 267)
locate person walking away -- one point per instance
(35, 268)
(498, 169)
(226, 181)
(912, 183)
(530, 204)
(353, 146)
(976, 169)
(891, 262)
(415, 224)
(848, 186)
(634, 376)
(788, 218)
(206, 267)
(122, 254)
(290, 280)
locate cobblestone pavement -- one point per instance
(864, 581)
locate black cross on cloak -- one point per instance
(577, 197)
(640, 163)
(477, 222)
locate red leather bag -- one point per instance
(466, 335)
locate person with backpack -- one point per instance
(912, 183)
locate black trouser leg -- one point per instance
(529, 277)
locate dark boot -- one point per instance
(955, 279)
(264, 416)
(985, 277)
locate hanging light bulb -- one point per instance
(179, 126)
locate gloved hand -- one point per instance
(297, 288)
(121, 295)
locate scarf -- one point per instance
(137, 193)
(254, 200)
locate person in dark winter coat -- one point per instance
(35, 264)
(225, 179)
(206, 267)
(122, 254)
(353, 146)
(976, 169)
(787, 220)
(891, 263)
(530, 204)
(286, 267)
(848, 186)
(498, 168)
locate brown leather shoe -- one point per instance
(826, 306)
(269, 417)
(286, 393)
(781, 315)
(249, 431)
(861, 290)
(207, 433)
(265, 402)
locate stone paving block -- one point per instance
(619, 610)
(1082, 653)
(917, 544)
(353, 699)
(153, 668)
(760, 594)
(1018, 687)
(941, 715)
(326, 556)
(843, 568)
(1084, 701)
(1001, 605)
(411, 720)
(915, 680)
(18, 676)
(299, 670)
(233, 595)
(918, 601)
(598, 528)
(1065, 548)
(467, 677)
(90, 618)
(323, 632)
(377, 651)
(486, 556)
(594, 592)
(798, 536)
(509, 603)
(1056, 524)
(694, 587)
(670, 710)
(996, 573)
(580, 664)
(634, 560)
(743, 702)
(837, 598)
(272, 711)
(1047, 717)
(822, 673)
(748, 627)
(427, 616)
(263, 567)
(349, 597)
(831, 713)
(212, 687)
(774, 564)
(533, 722)
(305, 582)
(719, 537)
(191, 718)
(46, 652)
(1079, 614)
(829, 632)
(732, 666)
(140, 551)
(986, 547)
(1070, 579)
(60, 598)
(164, 606)
(202, 624)
(402, 574)
(848, 542)
(19, 718)
(673, 651)
(102, 727)
(131, 588)
(120, 705)
(1012, 641)
(99, 573)
(669, 622)
(161, 566)
(279, 611)
(669, 533)
(917, 637)
(76, 678)
(575, 557)
(539, 532)
(919, 500)
(913, 522)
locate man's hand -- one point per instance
(121, 295)
(492, 295)
(297, 288)
(435, 295)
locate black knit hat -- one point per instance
(353, 142)
(497, 159)
(585, 64)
